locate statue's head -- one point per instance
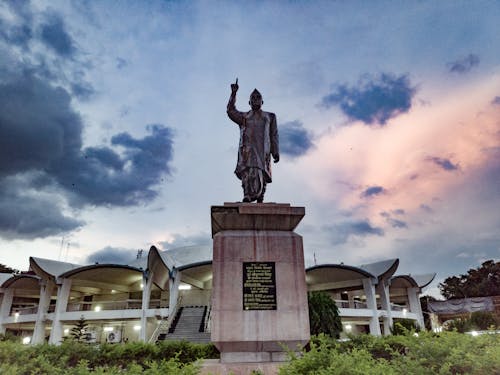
(255, 100)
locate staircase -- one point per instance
(188, 326)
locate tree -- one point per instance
(324, 315)
(79, 331)
(481, 282)
(7, 269)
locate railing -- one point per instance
(24, 310)
(395, 307)
(109, 305)
(343, 304)
(208, 318)
(165, 324)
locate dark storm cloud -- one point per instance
(463, 65)
(39, 131)
(82, 90)
(53, 33)
(496, 100)
(398, 211)
(27, 215)
(340, 233)
(295, 140)
(372, 191)
(113, 255)
(373, 100)
(446, 164)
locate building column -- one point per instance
(385, 301)
(173, 285)
(8, 297)
(63, 291)
(46, 288)
(147, 282)
(415, 306)
(371, 302)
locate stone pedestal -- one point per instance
(259, 295)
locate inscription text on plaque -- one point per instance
(259, 286)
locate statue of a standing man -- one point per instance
(258, 141)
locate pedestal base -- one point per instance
(256, 314)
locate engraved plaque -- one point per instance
(259, 286)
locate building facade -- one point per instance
(139, 301)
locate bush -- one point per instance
(404, 326)
(477, 321)
(427, 353)
(323, 315)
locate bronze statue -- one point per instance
(258, 141)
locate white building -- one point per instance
(139, 300)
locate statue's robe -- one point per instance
(258, 140)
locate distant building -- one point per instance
(138, 301)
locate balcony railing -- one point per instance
(112, 305)
(24, 310)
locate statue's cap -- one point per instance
(256, 92)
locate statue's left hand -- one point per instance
(276, 158)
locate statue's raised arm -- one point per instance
(258, 142)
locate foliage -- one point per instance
(404, 327)
(7, 269)
(427, 353)
(73, 357)
(323, 315)
(481, 282)
(79, 331)
(479, 320)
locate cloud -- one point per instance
(53, 33)
(463, 65)
(395, 223)
(398, 211)
(113, 255)
(373, 100)
(121, 63)
(446, 164)
(40, 132)
(340, 233)
(18, 29)
(295, 140)
(27, 215)
(372, 191)
(426, 208)
(496, 100)
(179, 240)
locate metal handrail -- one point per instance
(166, 323)
(208, 318)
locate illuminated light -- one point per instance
(26, 340)
(405, 311)
(184, 287)
(108, 329)
(16, 314)
(348, 327)
(137, 328)
(142, 285)
(97, 308)
(66, 331)
(415, 334)
(113, 291)
(474, 333)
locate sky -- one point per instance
(114, 134)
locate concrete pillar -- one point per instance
(371, 302)
(147, 282)
(8, 297)
(46, 289)
(63, 291)
(415, 306)
(350, 297)
(386, 305)
(173, 285)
